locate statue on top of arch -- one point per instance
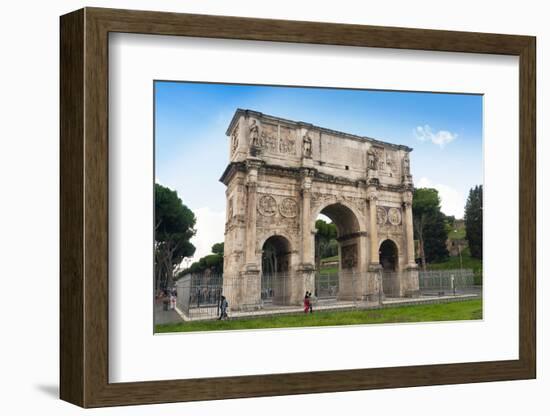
(372, 158)
(254, 134)
(307, 146)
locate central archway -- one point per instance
(345, 283)
(276, 259)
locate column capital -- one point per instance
(306, 172)
(407, 199)
(372, 196)
(253, 164)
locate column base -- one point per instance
(410, 281)
(306, 267)
(374, 267)
(375, 286)
(251, 268)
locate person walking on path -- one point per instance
(165, 300)
(223, 308)
(310, 302)
(307, 304)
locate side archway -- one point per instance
(389, 260)
(389, 256)
(276, 266)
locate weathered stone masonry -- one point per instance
(282, 174)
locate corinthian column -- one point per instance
(409, 231)
(373, 227)
(251, 203)
(307, 235)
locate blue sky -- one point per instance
(191, 151)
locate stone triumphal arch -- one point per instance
(281, 175)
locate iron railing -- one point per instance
(200, 296)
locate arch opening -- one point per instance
(337, 252)
(389, 261)
(343, 217)
(276, 265)
(388, 256)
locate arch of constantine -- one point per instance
(281, 175)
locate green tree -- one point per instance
(325, 241)
(473, 221)
(174, 227)
(429, 226)
(211, 262)
(218, 249)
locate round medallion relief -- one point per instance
(381, 215)
(267, 206)
(288, 208)
(394, 216)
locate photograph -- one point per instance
(289, 206)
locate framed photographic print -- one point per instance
(255, 207)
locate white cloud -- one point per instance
(452, 201)
(440, 138)
(210, 228)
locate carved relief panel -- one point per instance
(287, 141)
(235, 140)
(269, 138)
(288, 208)
(320, 198)
(267, 205)
(388, 215)
(278, 212)
(389, 219)
(349, 256)
(230, 209)
(277, 139)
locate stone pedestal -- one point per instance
(301, 281)
(410, 282)
(374, 282)
(249, 289)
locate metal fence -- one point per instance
(448, 282)
(199, 297)
(433, 283)
(327, 285)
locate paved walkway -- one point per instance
(165, 317)
(203, 314)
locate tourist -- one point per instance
(310, 302)
(165, 300)
(223, 308)
(172, 301)
(306, 302)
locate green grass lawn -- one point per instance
(452, 311)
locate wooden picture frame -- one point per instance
(84, 207)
